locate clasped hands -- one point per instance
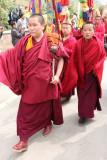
(55, 80)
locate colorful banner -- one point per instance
(50, 16)
(36, 6)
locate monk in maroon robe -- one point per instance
(104, 22)
(27, 70)
(99, 29)
(85, 71)
(69, 43)
(78, 34)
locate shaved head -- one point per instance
(39, 17)
(89, 23)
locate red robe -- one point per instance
(78, 34)
(36, 69)
(74, 31)
(105, 26)
(30, 76)
(88, 57)
(90, 3)
(75, 71)
(99, 32)
(69, 45)
(64, 3)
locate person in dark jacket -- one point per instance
(1, 31)
(15, 34)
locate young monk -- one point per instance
(69, 43)
(27, 70)
(105, 21)
(85, 72)
(99, 29)
(105, 25)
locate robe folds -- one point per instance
(100, 31)
(26, 77)
(90, 3)
(64, 3)
(87, 56)
(31, 118)
(88, 99)
(74, 31)
(69, 45)
(105, 25)
(85, 72)
(78, 34)
(27, 70)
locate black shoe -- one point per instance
(82, 121)
(67, 98)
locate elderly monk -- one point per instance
(69, 43)
(27, 70)
(99, 29)
(85, 72)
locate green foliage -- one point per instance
(44, 9)
(72, 9)
(5, 8)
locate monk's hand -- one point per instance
(94, 73)
(55, 80)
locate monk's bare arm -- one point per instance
(55, 79)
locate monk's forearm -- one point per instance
(59, 66)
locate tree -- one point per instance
(5, 8)
(72, 7)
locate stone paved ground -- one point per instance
(66, 142)
(6, 47)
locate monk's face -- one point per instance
(35, 28)
(88, 31)
(105, 19)
(97, 20)
(66, 29)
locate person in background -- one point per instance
(69, 43)
(74, 31)
(1, 31)
(99, 28)
(85, 71)
(21, 24)
(105, 25)
(75, 18)
(27, 15)
(15, 34)
(15, 14)
(11, 19)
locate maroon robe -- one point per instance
(69, 45)
(100, 31)
(74, 32)
(78, 34)
(64, 3)
(88, 57)
(90, 3)
(30, 76)
(105, 25)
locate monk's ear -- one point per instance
(43, 26)
(93, 30)
(82, 31)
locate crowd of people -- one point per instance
(19, 21)
(27, 69)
